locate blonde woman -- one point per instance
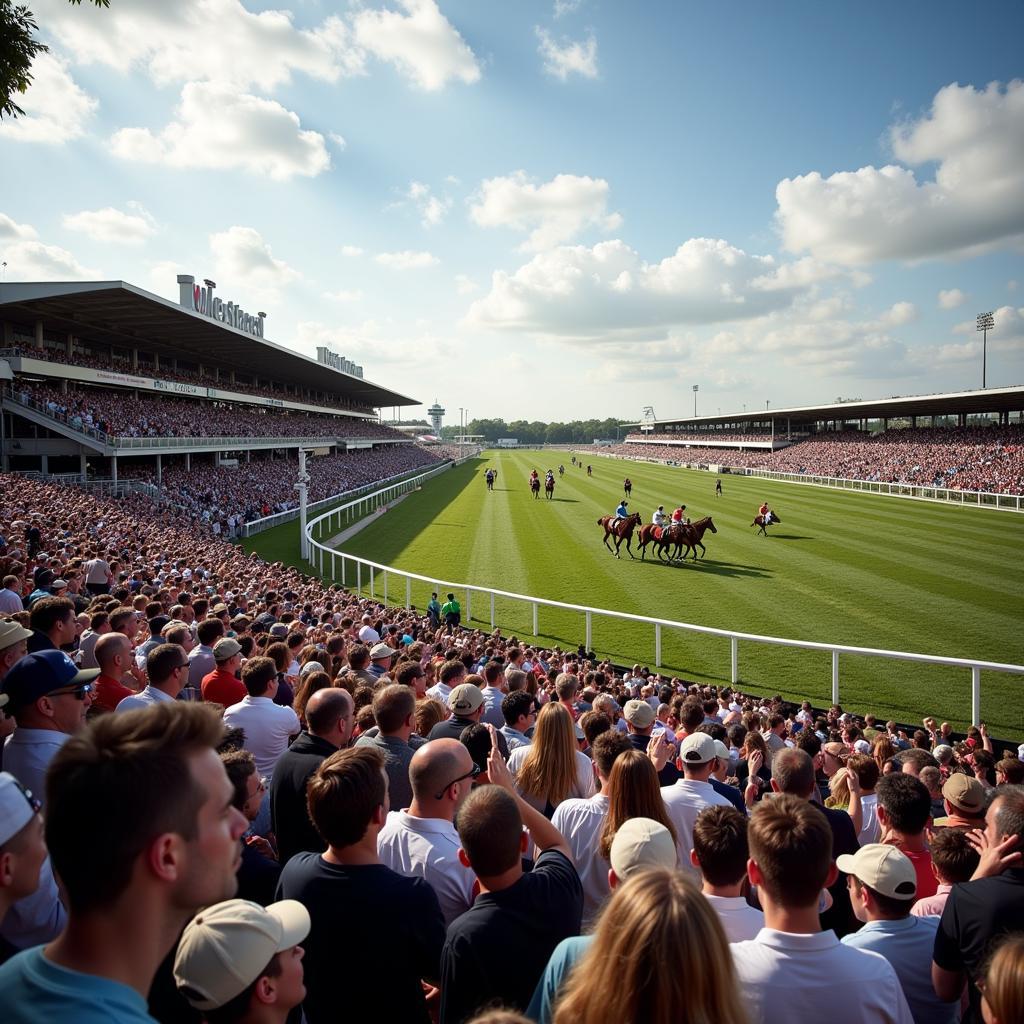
(1002, 1000)
(552, 768)
(622, 979)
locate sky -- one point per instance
(549, 209)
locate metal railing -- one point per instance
(327, 562)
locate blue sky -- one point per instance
(549, 210)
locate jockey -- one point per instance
(659, 518)
(549, 475)
(765, 512)
(677, 514)
(622, 512)
(534, 475)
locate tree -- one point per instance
(18, 49)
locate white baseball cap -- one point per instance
(17, 808)
(226, 947)
(697, 748)
(642, 843)
(883, 868)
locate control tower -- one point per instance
(434, 413)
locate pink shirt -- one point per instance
(932, 906)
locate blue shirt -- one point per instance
(908, 945)
(563, 959)
(36, 991)
(621, 511)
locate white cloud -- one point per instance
(608, 292)
(344, 295)
(407, 259)
(950, 298)
(243, 258)
(422, 43)
(338, 140)
(56, 109)
(465, 285)
(432, 209)
(110, 225)
(28, 259)
(351, 250)
(568, 57)
(218, 128)
(900, 313)
(564, 7)
(975, 202)
(553, 212)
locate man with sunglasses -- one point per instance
(167, 668)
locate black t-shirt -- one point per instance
(374, 935)
(669, 774)
(976, 915)
(497, 950)
(257, 877)
(840, 916)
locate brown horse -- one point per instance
(648, 535)
(622, 532)
(761, 524)
(691, 536)
(535, 486)
(549, 487)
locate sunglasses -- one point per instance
(78, 692)
(471, 774)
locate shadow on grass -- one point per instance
(788, 536)
(735, 569)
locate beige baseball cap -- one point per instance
(11, 633)
(465, 699)
(964, 793)
(639, 713)
(225, 948)
(642, 843)
(883, 868)
(226, 647)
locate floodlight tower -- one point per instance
(435, 413)
(986, 323)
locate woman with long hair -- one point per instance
(552, 768)
(753, 744)
(881, 750)
(633, 792)
(622, 979)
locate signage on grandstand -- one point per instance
(336, 362)
(201, 299)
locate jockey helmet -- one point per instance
(661, 508)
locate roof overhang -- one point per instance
(118, 313)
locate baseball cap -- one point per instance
(964, 793)
(225, 648)
(642, 843)
(465, 699)
(11, 633)
(698, 748)
(884, 868)
(279, 629)
(226, 947)
(36, 675)
(17, 807)
(721, 751)
(639, 713)
(382, 650)
(310, 667)
(862, 747)
(838, 750)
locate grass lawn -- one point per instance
(843, 567)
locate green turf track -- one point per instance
(843, 567)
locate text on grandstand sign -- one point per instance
(200, 299)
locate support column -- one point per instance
(159, 469)
(83, 465)
(135, 359)
(232, 377)
(8, 335)
(188, 462)
(39, 334)
(913, 422)
(44, 464)
(156, 362)
(71, 346)
(248, 455)
(200, 369)
(113, 468)
(216, 374)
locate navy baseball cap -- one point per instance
(36, 675)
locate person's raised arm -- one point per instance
(544, 835)
(854, 809)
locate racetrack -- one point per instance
(842, 567)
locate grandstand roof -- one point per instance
(989, 400)
(115, 312)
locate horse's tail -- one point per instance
(600, 522)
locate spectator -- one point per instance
(259, 870)
(866, 769)
(13, 646)
(1003, 1000)
(524, 914)
(10, 596)
(954, 860)
(348, 802)
(329, 720)
(223, 685)
(931, 778)
(53, 623)
(269, 728)
(380, 660)
(466, 704)
(720, 852)
(720, 772)
(552, 768)
(422, 841)
(639, 845)
(242, 964)
(201, 659)
(790, 863)
(904, 807)
(656, 910)
(160, 846)
(22, 850)
(964, 800)
(394, 710)
(583, 821)
(494, 690)
(452, 673)
(980, 912)
(166, 665)
(882, 886)
(687, 797)
(640, 718)
(519, 709)
(114, 657)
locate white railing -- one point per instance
(919, 492)
(327, 561)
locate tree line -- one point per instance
(526, 432)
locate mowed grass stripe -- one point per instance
(844, 567)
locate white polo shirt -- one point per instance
(428, 848)
(581, 822)
(684, 800)
(441, 692)
(739, 919)
(267, 726)
(780, 973)
(143, 699)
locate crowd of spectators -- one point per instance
(122, 413)
(120, 362)
(708, 435)
(962, 458)
(262, 792)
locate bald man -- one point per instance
(422, 840)
(114, 657)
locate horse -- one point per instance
(692, 536)
(535, 486)
(627, 486)
(549, 487)
(622, 532)
(489, 477)
(760, 523)
(561, 470)
(648, 535)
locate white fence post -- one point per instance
(492, 609)
(657, 644)
(535, 633)
(734, 658)
(590, 642)
(835, 677)
(469, 605)
(975, 695)
(408, 592)
(385, 586)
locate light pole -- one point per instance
(986, 323)
(696, 388)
